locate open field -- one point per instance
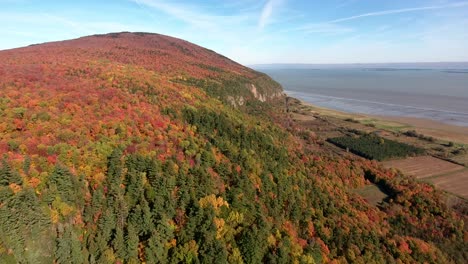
(456, 183)
(423, 167)
(462, 159)
(372, 194)
(443, 174)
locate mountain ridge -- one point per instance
(124, 148)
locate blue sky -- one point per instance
(260, 31)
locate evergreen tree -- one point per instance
(131, 240)
(8, 176)
(63, 246)
(119, 243)
(61, 181)
(114, 172)
(77, 255)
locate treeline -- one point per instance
(376, 148)
(413, 133)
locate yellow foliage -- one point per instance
(23, 149)
(99, 177)
(172, 224)
(296, 250)
(235, 256)
(54, 215)
(63, 208)
(187, 96)
(109, 255)
(278, 234)
(213, 201)
(235, 218)
(271, 241)
(220, 230)
(307, 259)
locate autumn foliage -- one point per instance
(135, 147)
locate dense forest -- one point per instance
(376, 148)
(133, 147)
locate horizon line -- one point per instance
(354, 63)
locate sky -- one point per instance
(259, 31)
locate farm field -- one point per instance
(443, 174)
(462, 159)
(456, 183)
(423, 166)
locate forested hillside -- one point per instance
(135, 147)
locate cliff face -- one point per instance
(126, 148)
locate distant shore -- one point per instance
(430, 92)
(428, 127)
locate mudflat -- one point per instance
(427, 127)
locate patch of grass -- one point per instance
(372, 193)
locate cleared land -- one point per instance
(423, 167)
(372, 194)
(462, 159)
(456, 183)
(443, 174)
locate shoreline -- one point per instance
(428, 127)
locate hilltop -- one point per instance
(138, 147)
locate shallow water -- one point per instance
(438, 94)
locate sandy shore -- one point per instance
(433, 128)
(439, 130)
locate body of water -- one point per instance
(437, 94)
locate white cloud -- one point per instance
(192, 15)
(267, 12)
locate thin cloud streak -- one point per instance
(267, 12)
(398, 11)
(323, 28)
(192, 15)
